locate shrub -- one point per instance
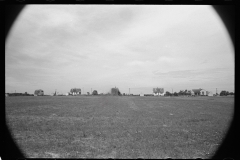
(94, 92)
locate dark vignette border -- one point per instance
(227, 13)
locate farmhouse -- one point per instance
(75, 91)
(38, 92)
(142, 94)
(203, 92)
(158, 91)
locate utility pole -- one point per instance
(91, 90)
(129, 91)
(216, 91)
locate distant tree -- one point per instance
(155, 90)
(115, 91)
(231, 93)
(223, 93)
(227, 93)
(87, 93)
(123, 94)
(119, 93)
(94, 92)
(185, 92)
(168, 93)
(39, 92)
(181, 92)
(175, 94)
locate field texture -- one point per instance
(119, 127)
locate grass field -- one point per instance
(119, 127)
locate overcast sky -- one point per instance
(102, 46)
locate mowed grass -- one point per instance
(119, 127)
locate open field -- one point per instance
(119, 127)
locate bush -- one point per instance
(94, 92)
(167, 94)
(39, 92)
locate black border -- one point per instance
(228, 149)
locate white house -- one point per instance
(203, 92)
(159, 94)
(75, 91)
(158, 91)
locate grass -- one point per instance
(119, 127)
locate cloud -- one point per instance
(204, 74)
(128, 45)
(137, 63)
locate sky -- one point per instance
(98, 47)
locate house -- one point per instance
(38, 92)
(158, 91)
(75, 91)
(142, 94)
(203, 92)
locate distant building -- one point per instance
(158, 91)
(142, 94)
(75, 91)
(38, 92)
(6, 94)
(203, 92)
